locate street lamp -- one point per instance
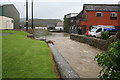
(32, 15)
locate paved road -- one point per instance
(80, 56)
(1, 34)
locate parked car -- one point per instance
(96, 31)
(87, 33)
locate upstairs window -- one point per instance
(113, 16)
(99, 14)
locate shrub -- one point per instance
(110, 61)
(104, 35)
(40, 33)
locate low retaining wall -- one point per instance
(66, 72)
(98, 43)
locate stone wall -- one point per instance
(98, 43)
(65, 70)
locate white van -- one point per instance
(96, 31)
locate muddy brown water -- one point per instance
(80, 56)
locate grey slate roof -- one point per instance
(102, 7)
(6, 4)
(60, 23)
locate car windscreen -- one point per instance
(93, 30)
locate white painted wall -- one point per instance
(59, 28)
(6, 23)
(41, 28)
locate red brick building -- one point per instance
(100, 14)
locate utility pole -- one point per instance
(32, 15)
(26, 15)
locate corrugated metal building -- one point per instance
(9, 10)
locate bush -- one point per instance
(40, 33)
(110, 61)
(104, 35)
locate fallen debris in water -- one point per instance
(50, 41)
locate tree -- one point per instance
(65, 24)
(109, 60)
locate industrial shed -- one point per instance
(10, 11)
(59, 26)
(6, 23)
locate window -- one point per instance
(99, 30)
(12, 21)
(72, 28)
(71, 20)
(51, 28)
(98, 14)
(113, 16)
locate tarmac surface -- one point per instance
(1, 34)
(80, 56)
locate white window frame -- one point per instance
(113, 13)
(99, 12)
(72, 20)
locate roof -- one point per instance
(71, 13)
(80, 15)
(59, 24)
(6, 5)
(102, 7)
(50, 25)
(2, 5)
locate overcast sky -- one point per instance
(54, 9)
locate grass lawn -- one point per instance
(25, 58)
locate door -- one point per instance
(7, 25)
(98, 32)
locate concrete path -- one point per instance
(80, 56)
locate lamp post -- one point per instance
(26, 15)
(32, 15)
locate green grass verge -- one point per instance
(25, 58)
